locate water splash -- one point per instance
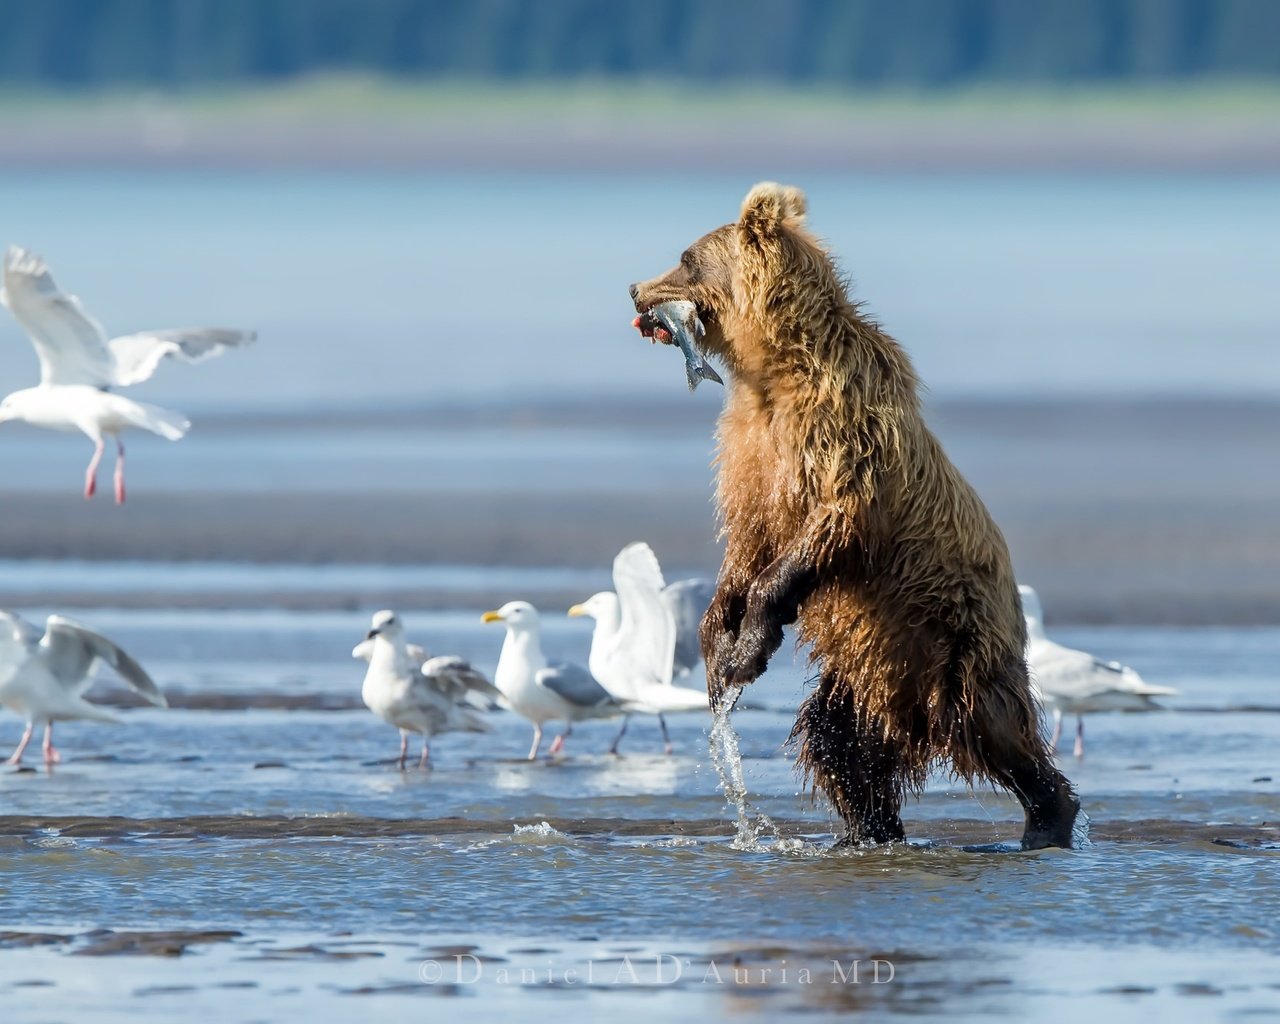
(1080, 832)
(752, 822)
(535, 834)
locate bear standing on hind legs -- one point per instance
(841, 513)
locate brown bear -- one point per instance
(841, 513)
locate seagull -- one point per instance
(539, 690)
(405, 688)
(79, 365)
(1074, 682)
(634, 642)
(44, 675)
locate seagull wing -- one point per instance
(72, 649)
(576, 686)
(71, 345)
(647, 635)
(17, 639)
(1078, 679)
(457, 678)
(688, 600)
(136, 356)
(14, 629)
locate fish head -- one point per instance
(704, 277)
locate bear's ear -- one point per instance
(771, 203)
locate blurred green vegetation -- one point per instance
(811, 44)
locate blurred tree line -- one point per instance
(804, 42)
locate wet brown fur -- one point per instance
(841, 512)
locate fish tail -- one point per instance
(707, 372)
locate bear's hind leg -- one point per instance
(844, 750)
(1049, 804)
(1023, 765)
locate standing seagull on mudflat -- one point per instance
(44, 675)
(634, 645)
(1075, 682)
(79, 365)
(540, 690)
(429, 696)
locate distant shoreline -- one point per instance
(369, 125)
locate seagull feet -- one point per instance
(51, 756)
(557, 745)
(90, 487)
(668, 749)
(14, 759)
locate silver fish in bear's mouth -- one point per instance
(679, 319)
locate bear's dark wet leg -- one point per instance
(1048, 802)
(844, 751)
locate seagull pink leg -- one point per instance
(91, 474)
(119, 476)
(557, 745)
(51, 756)
(426, 752)
(404, 748)
(21, 748)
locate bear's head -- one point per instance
(742, 273)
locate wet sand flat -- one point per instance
(1137, 512)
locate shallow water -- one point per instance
(343, 875)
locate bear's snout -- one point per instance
(635, 291)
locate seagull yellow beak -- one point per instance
(491, 617)
(576, 611)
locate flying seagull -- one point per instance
(79, 365)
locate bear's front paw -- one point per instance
(719, 658)
(745, 664)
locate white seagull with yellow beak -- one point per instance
(539, 690)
